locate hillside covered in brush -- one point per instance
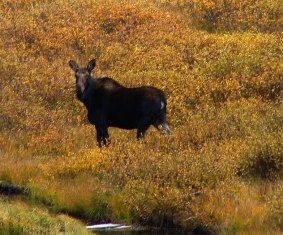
(220, 64)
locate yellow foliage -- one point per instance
(73, 163)
(225, 107)
(227, 15)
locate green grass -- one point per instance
(21, 217)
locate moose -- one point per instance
(110, 104)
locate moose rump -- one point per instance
(109, 104)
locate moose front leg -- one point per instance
(102, 136)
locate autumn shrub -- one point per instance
(224, 96)
(264, 160)
(230, 15)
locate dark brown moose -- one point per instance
(109, 104)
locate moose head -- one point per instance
(82, 75)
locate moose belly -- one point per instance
(126, 127)
(123, 121)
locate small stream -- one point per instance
(119, 229)
(144, 232)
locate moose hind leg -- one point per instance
(162, 126)
(143, 125)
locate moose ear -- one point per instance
(91, 65)
(74, 66)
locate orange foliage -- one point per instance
(224, 105)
